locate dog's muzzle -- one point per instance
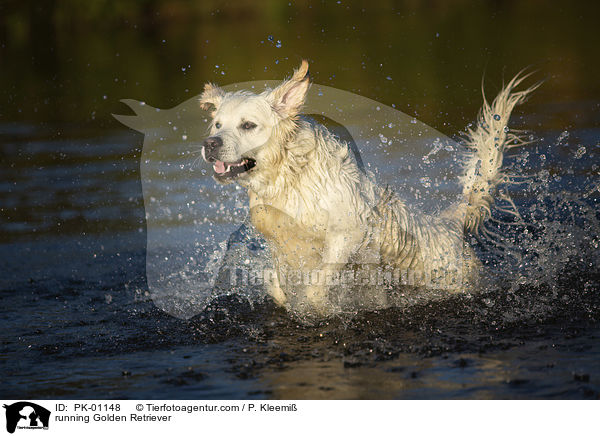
(224, 170)
(211, 147)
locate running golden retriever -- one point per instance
(322, 215)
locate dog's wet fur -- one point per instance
(320, 212)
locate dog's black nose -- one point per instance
(211, 147)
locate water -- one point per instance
(78, 320)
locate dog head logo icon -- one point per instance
(24, 414)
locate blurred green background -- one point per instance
(70, 61)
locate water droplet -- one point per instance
(562, 138)
(580, 152)
(278, 44)
(497, 117)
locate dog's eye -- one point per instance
(248, 125)
(218, 125)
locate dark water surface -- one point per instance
(77, 318)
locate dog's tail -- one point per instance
(487, 142)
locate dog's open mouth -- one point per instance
(227, 170)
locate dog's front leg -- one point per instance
(275, 291)
(339, 248)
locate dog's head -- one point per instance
(247, 129)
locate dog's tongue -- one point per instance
(219, 167)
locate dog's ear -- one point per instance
(211, 96)
(288, 98)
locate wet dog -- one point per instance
(322, 215)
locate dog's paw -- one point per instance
(277, 294)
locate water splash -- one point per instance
(540, 248)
